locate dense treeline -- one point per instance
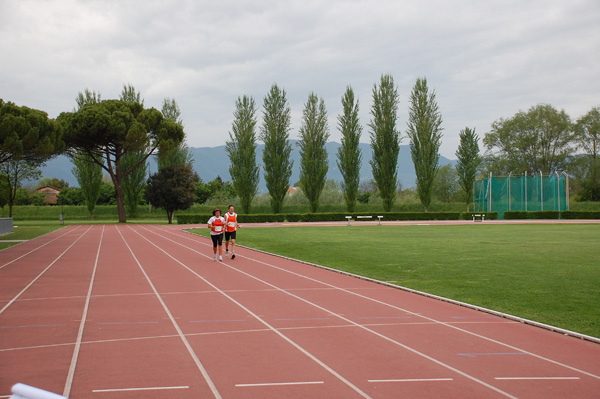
(118, 136)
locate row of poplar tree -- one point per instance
(539, 140)
(424, 132)
(118, 136)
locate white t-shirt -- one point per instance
(222, 228)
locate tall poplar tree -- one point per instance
(314, 133)
(130, 95)
(133, 182)
(468, 162)
(89, 176)
(587, 134)
(349, 156)
(242, 152)
(385, 139)
(275, 132)
(87, 97)
(86, 171)
(169, 153)
(425, 134)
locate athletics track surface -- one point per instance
(144, 312)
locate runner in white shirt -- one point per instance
(216, 224)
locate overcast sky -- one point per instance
(486, 60)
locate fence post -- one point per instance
(525, 191)
(541, 190)
(490, 193)
(509, 193)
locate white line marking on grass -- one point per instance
(271, 384)
(71, 374)
(140, 389)
(415, 380)
(536, 378)
(42, 273)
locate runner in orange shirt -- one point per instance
(231, 226)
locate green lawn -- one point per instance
(26, 231)
(546, 273)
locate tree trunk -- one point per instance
(120, 202)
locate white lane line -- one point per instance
(140, 389)
(408, 348)
(41, 246)
(305, 319)
(35, 325)
(491, 354)
(217, 321)
(272, 384)
(415, 380)
(258, 318)
(42, 273)
(127, 322)
(189, 236)
(187, 344)
(536, 378)
(71, 374)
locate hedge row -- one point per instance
(328, 217)
(552, 215)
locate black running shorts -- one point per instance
(230, 235)
(217, 239)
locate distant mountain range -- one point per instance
(210, 162)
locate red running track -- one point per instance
(145, 312)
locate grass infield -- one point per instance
(546, 273)
(25, 231)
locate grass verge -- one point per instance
(26, 232)
(545, 273)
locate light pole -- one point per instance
(60, 218)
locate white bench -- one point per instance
(480, 216)
(349, 218)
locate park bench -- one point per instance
(349, 218)
(480, 216)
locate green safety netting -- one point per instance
(521, 193)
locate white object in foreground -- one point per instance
(22, 391)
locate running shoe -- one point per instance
(232, 256)
(221, 258)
